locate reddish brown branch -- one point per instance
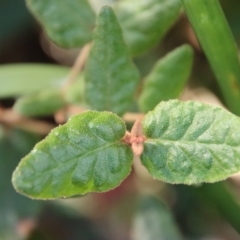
(11, 118)
(78, 66)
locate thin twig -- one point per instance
(77, 66)
(62, 115)
(132, 117)
(127, 117)
(9, 117)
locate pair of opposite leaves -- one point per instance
(185, 142)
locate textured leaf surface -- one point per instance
(84, 155)
(154, 221)
(111, 77)
(144, 22)
(167, 79)
(43, 103)
(67, 23)
(190, 142)
(19, 79)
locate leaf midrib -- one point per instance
(174, 142)
(78, 157)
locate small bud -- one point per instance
(136, 138)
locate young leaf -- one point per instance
(212, 30)
(68, 23)
(84, 155)
(190, 142)
(144, 23)
(43, 103)
(111, 77)
(19, 79)
(154, 221)
(167, 79)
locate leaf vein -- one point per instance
(78, 157)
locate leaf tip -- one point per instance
(106, 10)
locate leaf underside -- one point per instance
(191, 142)
(84, 155)
(111, 77)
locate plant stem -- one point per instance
(132, 117)
(78, 66)
(128, 117)
(9, 117)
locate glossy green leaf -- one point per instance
(43, 103)
(191, 142)
(84, 155)
(67, 23)
(111, 77)
(19, 79)
(144, 22)
(167, 79)
(216, 39)
(154, 221)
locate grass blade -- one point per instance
(217, 41)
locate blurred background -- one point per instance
(209, 211)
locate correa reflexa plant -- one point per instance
(110, 116)
(138, 112)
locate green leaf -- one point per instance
(154, 221)
(14, 145)
(67, 23)
(43, 103)
(167, 79)
(111, 77)
(144, 22)
(190, 142)
(216, 39)
(75, 92)
(222, 197)
(84, 155)
(19, 79)
(1, 132)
